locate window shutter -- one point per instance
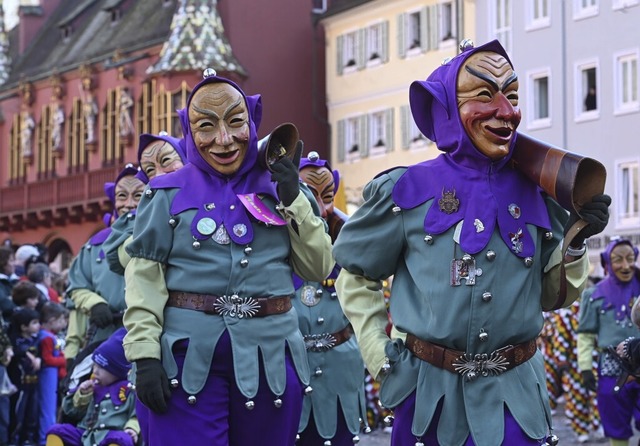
(402, 36)
(361, 48)
(424, 29)
(389, 143)
(405, 124)
(385, 41)
(433, 27)
(341, 142)
(339, 49)
(364, 136)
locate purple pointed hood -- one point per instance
(490, 194)
(617, 294)
(147, 138)
(202, 186)
(313, 159)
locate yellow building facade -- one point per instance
(373, 52)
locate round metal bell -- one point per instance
(297, 438)
(386, 368)
(327, 443)
(174, 383)
(319, 292)
(487, 296)
(277, 402)
(528, 261)
(98, 260)
(148, 192)
(308, 390)
(196, 244)
(466, 45)
(320, 320)
(552, 440)
(244, 263)
(355, 439)
(172, 222)
(396, 210)
(208, 72)
(483, 336)
(250, 405)
(491, 255)
(192, 399)
(248, 250)
(388, 420)
(548, 235)
(419, 443)
(318, 371)
(428, 239)
(313, 156)
(471, 375)
(334, 295)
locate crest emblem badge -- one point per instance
(206, 226)
(516, 241)
(449, 203)
(515, 211)
(240, 229)
(308, 296)
(221, 236)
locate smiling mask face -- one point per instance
(487, 92)
(219, 123)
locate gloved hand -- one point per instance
(596, 213)
(152, 384)
(588, 380)
(285, 173)
(101, 315)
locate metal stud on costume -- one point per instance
(388, 420)
(192, 399)
(528, 262)
(208, 72)
(396, 210)
(356, 439)
(428, 239)
(174, 383)
(491, 255)
(250, 405)
(308, 390)
(196, 244)
(277, 402)
(172, 222)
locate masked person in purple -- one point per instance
(474, 248)
(333, 412)
(605, 321)
(211, 329)
(96, 292)
(157, 155)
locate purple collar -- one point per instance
(464, 184)
(214, 195)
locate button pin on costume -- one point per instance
(475, 249)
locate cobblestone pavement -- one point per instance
(566, 436)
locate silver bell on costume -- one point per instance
(250, 405)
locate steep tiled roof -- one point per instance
(197, 41)
(192, 33)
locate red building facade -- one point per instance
(79, 81)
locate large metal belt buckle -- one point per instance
(235, 306)
(319, 342)
(482, 364)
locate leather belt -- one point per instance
(233, 306)
(468, 365)
(326, 341)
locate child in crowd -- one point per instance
(24, 335)
(25, 295)
(104, 405)
(6, 386)
(53, 370)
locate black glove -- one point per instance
(101, 315)
(152, 384)
(595, 213)
(285, 173)
(588, 380)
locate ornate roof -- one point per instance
(197, 41)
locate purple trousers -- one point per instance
(219, 417)
(310, 437)
(403, 418)
(617, 410)
(72, 436)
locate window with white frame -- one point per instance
(418, 31)
(626, 82)
(628, 186)
(538, 14)
(414, 30)
(585, 8)
(349, 50)
(539, 111)
(381, 131)
(377, 43)
(622, 4)
(587, 97)
(501, 22)
(412, 137)
(447, 16)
